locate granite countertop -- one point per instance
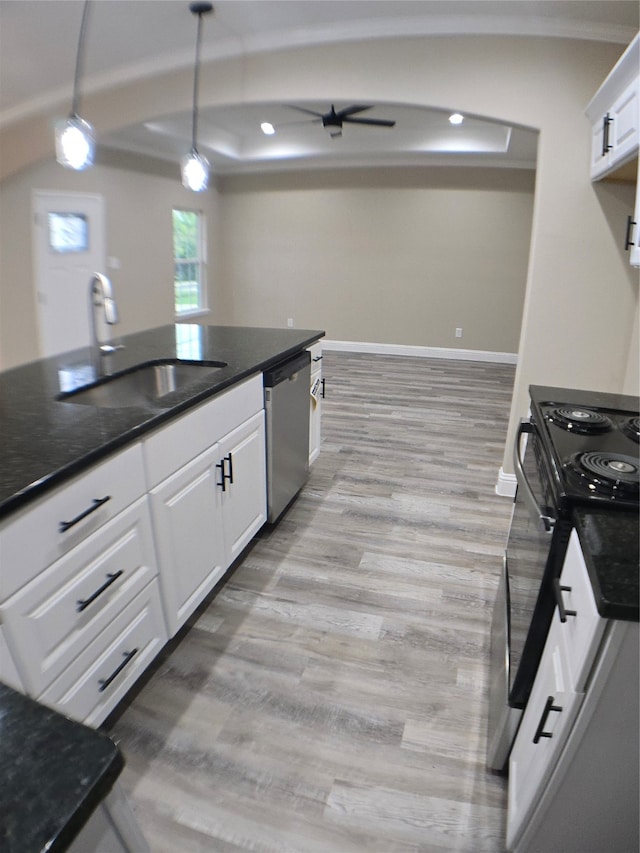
(610, 544)
(54, 774)
(45, 441)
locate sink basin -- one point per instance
(146, 385)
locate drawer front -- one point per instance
(546, 723)
(98, 679)
(43, 532)
(62, 610)
(580, 633)
(172, 446)
(233, 407)
(316, 356)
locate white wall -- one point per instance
(400, 256)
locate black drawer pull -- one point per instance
(549, 706)
(558, 590)
(112, 577)
(97, 503)
(317, 358)
(606, 145)
(323, 387)
(628, 240)
(105, 682)
(230, 474)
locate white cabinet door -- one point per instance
(244, 500)
(186, 514)
(315, 402)
(547, 720)
(634, 237)
(623, 130)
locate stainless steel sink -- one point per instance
(146, 385)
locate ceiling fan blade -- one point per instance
(304, 110)
(352, 110)
(376, 122)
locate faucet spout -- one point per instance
(104, 312)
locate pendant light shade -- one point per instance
(195, 167)
(75, 139)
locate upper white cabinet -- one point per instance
(578, 739)
(614, 115)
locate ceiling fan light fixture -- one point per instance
(193, 166)
(75, 137)
(195, 171)
(267, 128)
(456, 118)
(75, 143)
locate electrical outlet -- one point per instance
(290, 322)
(458, 332)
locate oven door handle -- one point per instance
(546, 522)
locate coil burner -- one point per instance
(631, 428)
(612, 474)
(583, 421)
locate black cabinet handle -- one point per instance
(317, 358)
(97, 503)
(112, 577)
(223, 477)
(323, 387)
(558, 590)
(628, 240)
(105, 682)
(606, 146)
(549, 706)
(223, 471)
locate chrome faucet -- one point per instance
(104, 313)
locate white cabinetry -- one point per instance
(78, 577)
(573, 771)
(316, 396)
(614, 112)
(209, 494)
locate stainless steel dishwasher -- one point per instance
(286, 402)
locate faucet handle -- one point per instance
(110, 311)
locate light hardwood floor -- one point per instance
(332, 697)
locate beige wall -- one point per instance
(139, 196)
(387, 256)
(581, 299)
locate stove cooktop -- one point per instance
(593, 441)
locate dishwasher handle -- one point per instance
(286, 369)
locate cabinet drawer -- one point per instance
(546, 723)
(580, 633)
(38, 536)
(62, 610)
(90, 688)
(234, 407)
(316, 356)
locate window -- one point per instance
(189, 262)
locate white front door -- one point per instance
(69, 246)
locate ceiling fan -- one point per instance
(333, 120)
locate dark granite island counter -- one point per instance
(45, 441)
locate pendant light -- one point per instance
(195, 167)
(75, 141)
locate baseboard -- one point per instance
(506, 485)
(420, 352)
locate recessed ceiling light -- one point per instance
(267, 128)
(456, 118)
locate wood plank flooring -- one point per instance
(332, 696)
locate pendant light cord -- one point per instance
(75, 103)
(196, 80)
